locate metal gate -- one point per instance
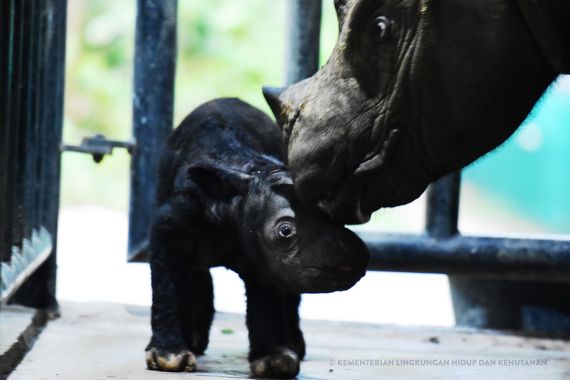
(32, 44)
(32, 48)
(440, 249)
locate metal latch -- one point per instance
(98, 146)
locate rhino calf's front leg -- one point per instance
(167, 351)
(276, 342)
(182, 305)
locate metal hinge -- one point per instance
(98, 146)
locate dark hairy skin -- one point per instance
(225, 198)
(413, 90)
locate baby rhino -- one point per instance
(225, 198)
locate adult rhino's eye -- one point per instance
(286, 230)
(381, 28)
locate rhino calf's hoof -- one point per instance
(282, 365)
(161, 360)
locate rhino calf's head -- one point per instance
(296, 247)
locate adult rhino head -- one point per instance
(413, 90)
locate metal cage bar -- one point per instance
(303, 39)
(442, 211)
(5, 132)
(32, 77)
(505, 258)
(153, 103)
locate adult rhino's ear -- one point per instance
(217, 181)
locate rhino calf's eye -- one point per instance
(286, 230)
(381, 28)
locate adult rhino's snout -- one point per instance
(316, 153)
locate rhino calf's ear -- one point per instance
(218, 181)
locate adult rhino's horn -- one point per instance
(341, 7)
(272, 95)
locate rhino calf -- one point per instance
(225, 198)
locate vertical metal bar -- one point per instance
(44, 119)
(37, 99)
(28, 152)
(5, 57)
(39, 290)
(56, 17)
(17, 92)
(303, 46)
(155, 64)
(443, 206)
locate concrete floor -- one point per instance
(106, 341)
(13, 321)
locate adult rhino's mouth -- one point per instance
(330, 208)
(350, 196)
(338, 195)
(390, 175)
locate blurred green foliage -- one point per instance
(225, 48)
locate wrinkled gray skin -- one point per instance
(409, 98)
